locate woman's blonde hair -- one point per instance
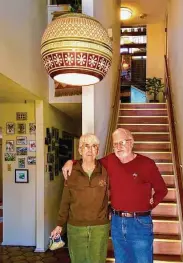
(88, 138)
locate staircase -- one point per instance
(149, 125)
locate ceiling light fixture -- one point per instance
(76, 50)
(125, 13)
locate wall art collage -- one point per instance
(21, 148)
(52, 141)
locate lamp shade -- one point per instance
(76, 50)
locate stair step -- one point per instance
(163, 244)
(144, 127)
(167, 244)
(152, 146)
(166, 226)
(171, 195)
(169, 179)
(143, 105)
(169, 209)
(143, 120)
(143, 112)
(157, 258)
(159, 157)
(150, 136)
(165, 167)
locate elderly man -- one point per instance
(132, 179)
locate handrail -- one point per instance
(114, 111)
(174, 145)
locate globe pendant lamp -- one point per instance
(76, 50)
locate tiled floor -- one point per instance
(26, 254)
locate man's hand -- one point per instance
(67, 169)
(151, 201)
(56, 232)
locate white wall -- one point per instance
(107, 12)
(175, 58)
(23, 24)
(155, 50)
(18, 199)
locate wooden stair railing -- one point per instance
(174, 144)
(114, 111)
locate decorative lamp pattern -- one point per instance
(76, 50)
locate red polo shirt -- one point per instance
(131, 183)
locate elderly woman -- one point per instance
(84, 206)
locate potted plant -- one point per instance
(154, 86)
(75, 5)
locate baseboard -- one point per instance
(40, 250)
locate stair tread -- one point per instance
(163, 218)
(167, 237)
(168, 258)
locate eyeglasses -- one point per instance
(121, 143)
(92, 147)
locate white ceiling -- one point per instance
(10, 91)
(155, 10)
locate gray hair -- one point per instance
(125, 131)
(88, 138)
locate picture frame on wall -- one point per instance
(32, 128)
(21, 150)
(32, 146)
(21, 140)
(21, 162)
(21, 128)
(10, 146)
(10, 157)
(31, 160)
(21, 175)
(21, 116)
(10, 128)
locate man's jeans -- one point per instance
(132, 239)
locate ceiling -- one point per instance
(10, 91)
(155, 10)
(74, 110)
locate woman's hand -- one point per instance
(56, 232)
(67, 169)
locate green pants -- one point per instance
(88, 244)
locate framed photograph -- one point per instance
(32, 146)
(51, 176)
(21, 150)
(21, 176)
(57, 135)
(21, 140)
(50, 168)
(21, 162)
(53, 145)
(32, 128)
(10, 157)
(21, 116)
(21, 128)
(31, 160)
(50, 158)
(47, 132)
(10, 128)
(53, 132)
(9, 146)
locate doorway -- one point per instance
(1, 189)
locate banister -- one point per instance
(114, 110)
(174, 144)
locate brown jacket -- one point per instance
(85, 200)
